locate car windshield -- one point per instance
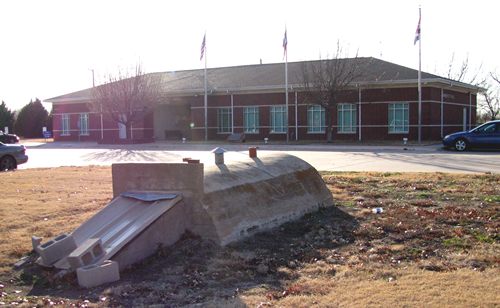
(485, 128)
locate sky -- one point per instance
(49, 48)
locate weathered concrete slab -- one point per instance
(185, 178)
(250, 195)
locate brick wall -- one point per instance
(374, 116)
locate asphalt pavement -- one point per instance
(327, 157)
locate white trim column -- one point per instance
(442, 112)
(464, 119)
(102, 126)
(470, 110)
(232, 114)
(296, 118)
(359, 114)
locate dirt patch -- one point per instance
(435, 242)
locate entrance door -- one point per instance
(122, 129)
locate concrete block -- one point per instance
(35, 242)
(89, 252)
(96, 275)
(56, 249)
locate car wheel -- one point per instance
(461, 145)
(7, 163)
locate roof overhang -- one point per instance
(429, 82)
(72, 100)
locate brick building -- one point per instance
(382, 104)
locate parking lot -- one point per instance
(394, 158)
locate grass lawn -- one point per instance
(436, 243)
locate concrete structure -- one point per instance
(155, 203)
(97, 274)
(381, 104)
(232, 200)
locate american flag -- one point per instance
(285, 43)
(203, 45)
(417, 32)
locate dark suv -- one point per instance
(8, 138)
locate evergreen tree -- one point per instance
(6, 117)
(49, 120)
(31, 119)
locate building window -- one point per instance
(316, 119)
(398, 118)
(251, 119)
(346, 118)
(278, 119)
(65, 124)
(84, 124)
(224, 116)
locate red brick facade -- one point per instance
(100, 127)
(442, 113)
(374, 114)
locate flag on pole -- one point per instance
(285, 43)
(203, 45)
(417, 32)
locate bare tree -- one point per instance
(495, 77)
(464, 73)
(491, 97)
(324, 80)
(491, 103)
(489, 106)
(127, 97)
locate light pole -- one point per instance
(93, 79)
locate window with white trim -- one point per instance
(65, 124)
(251, 119)
(84, 124)
(316, 119)
(346, 118)
(398, 118)
(278, 119)
(224, 116)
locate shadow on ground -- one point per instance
(127, 155)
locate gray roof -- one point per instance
(271, 78)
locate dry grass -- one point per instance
(413, 288)
(47, 202)
(435, 244)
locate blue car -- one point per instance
(483, 136)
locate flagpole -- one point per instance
(205, 99)
(420, 77)
(286, 85)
